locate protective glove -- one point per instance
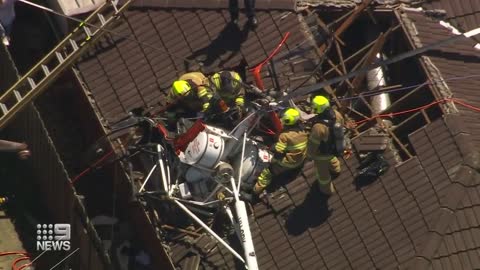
(278, 156)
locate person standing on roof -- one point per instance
(7, 16)
(190, 94)
(289, 150)
(250, 10)
(325, 143)
(230, 91)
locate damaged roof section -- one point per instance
(458, 64)
(454, 242)
(124, 73)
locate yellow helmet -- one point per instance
(320, 104)
(290, 117)
(181, 88)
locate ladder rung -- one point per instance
(4, 108)
(31, 82)
(74, 44)
(101, 18)
(88, 32)
(45, 70)
(18, 96)
(59, 57)
(114, 4)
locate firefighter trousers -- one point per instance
(275, 169)
(324, 168)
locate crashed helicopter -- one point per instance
(200, 168)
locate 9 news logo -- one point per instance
(53, 237)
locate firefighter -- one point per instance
(249, 8)
(289, 151)
(229, 89)
(322, 144)
(190, 94)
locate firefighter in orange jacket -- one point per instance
(289, 151)
(321, 143)
(189, 95)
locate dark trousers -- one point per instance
(249, 8)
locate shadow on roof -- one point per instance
(301, 218)
(229, 40)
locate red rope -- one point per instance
(275, 51)
(75, 179)
(256, 69)
(454, 100)
(13, 253)
(14, 264)
(24, 256)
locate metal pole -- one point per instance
(148, 177)
(169, 182)
(234, 189)
(241, 162)
(246, 235)
(162, 168)
(209, 230)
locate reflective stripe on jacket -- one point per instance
(293, 144)
(199, 98)
(230, 100)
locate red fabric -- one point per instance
(183, 140)
(277, 124)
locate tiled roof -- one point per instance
(407, 218)
(454, 245)
(122, 75)
(69, 7)
(463, 14)
(346, 3)
(214, 4)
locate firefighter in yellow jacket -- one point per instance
(289, 151)
(321, 143)
(229, 88)
(190, 94)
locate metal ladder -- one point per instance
(47, 70)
